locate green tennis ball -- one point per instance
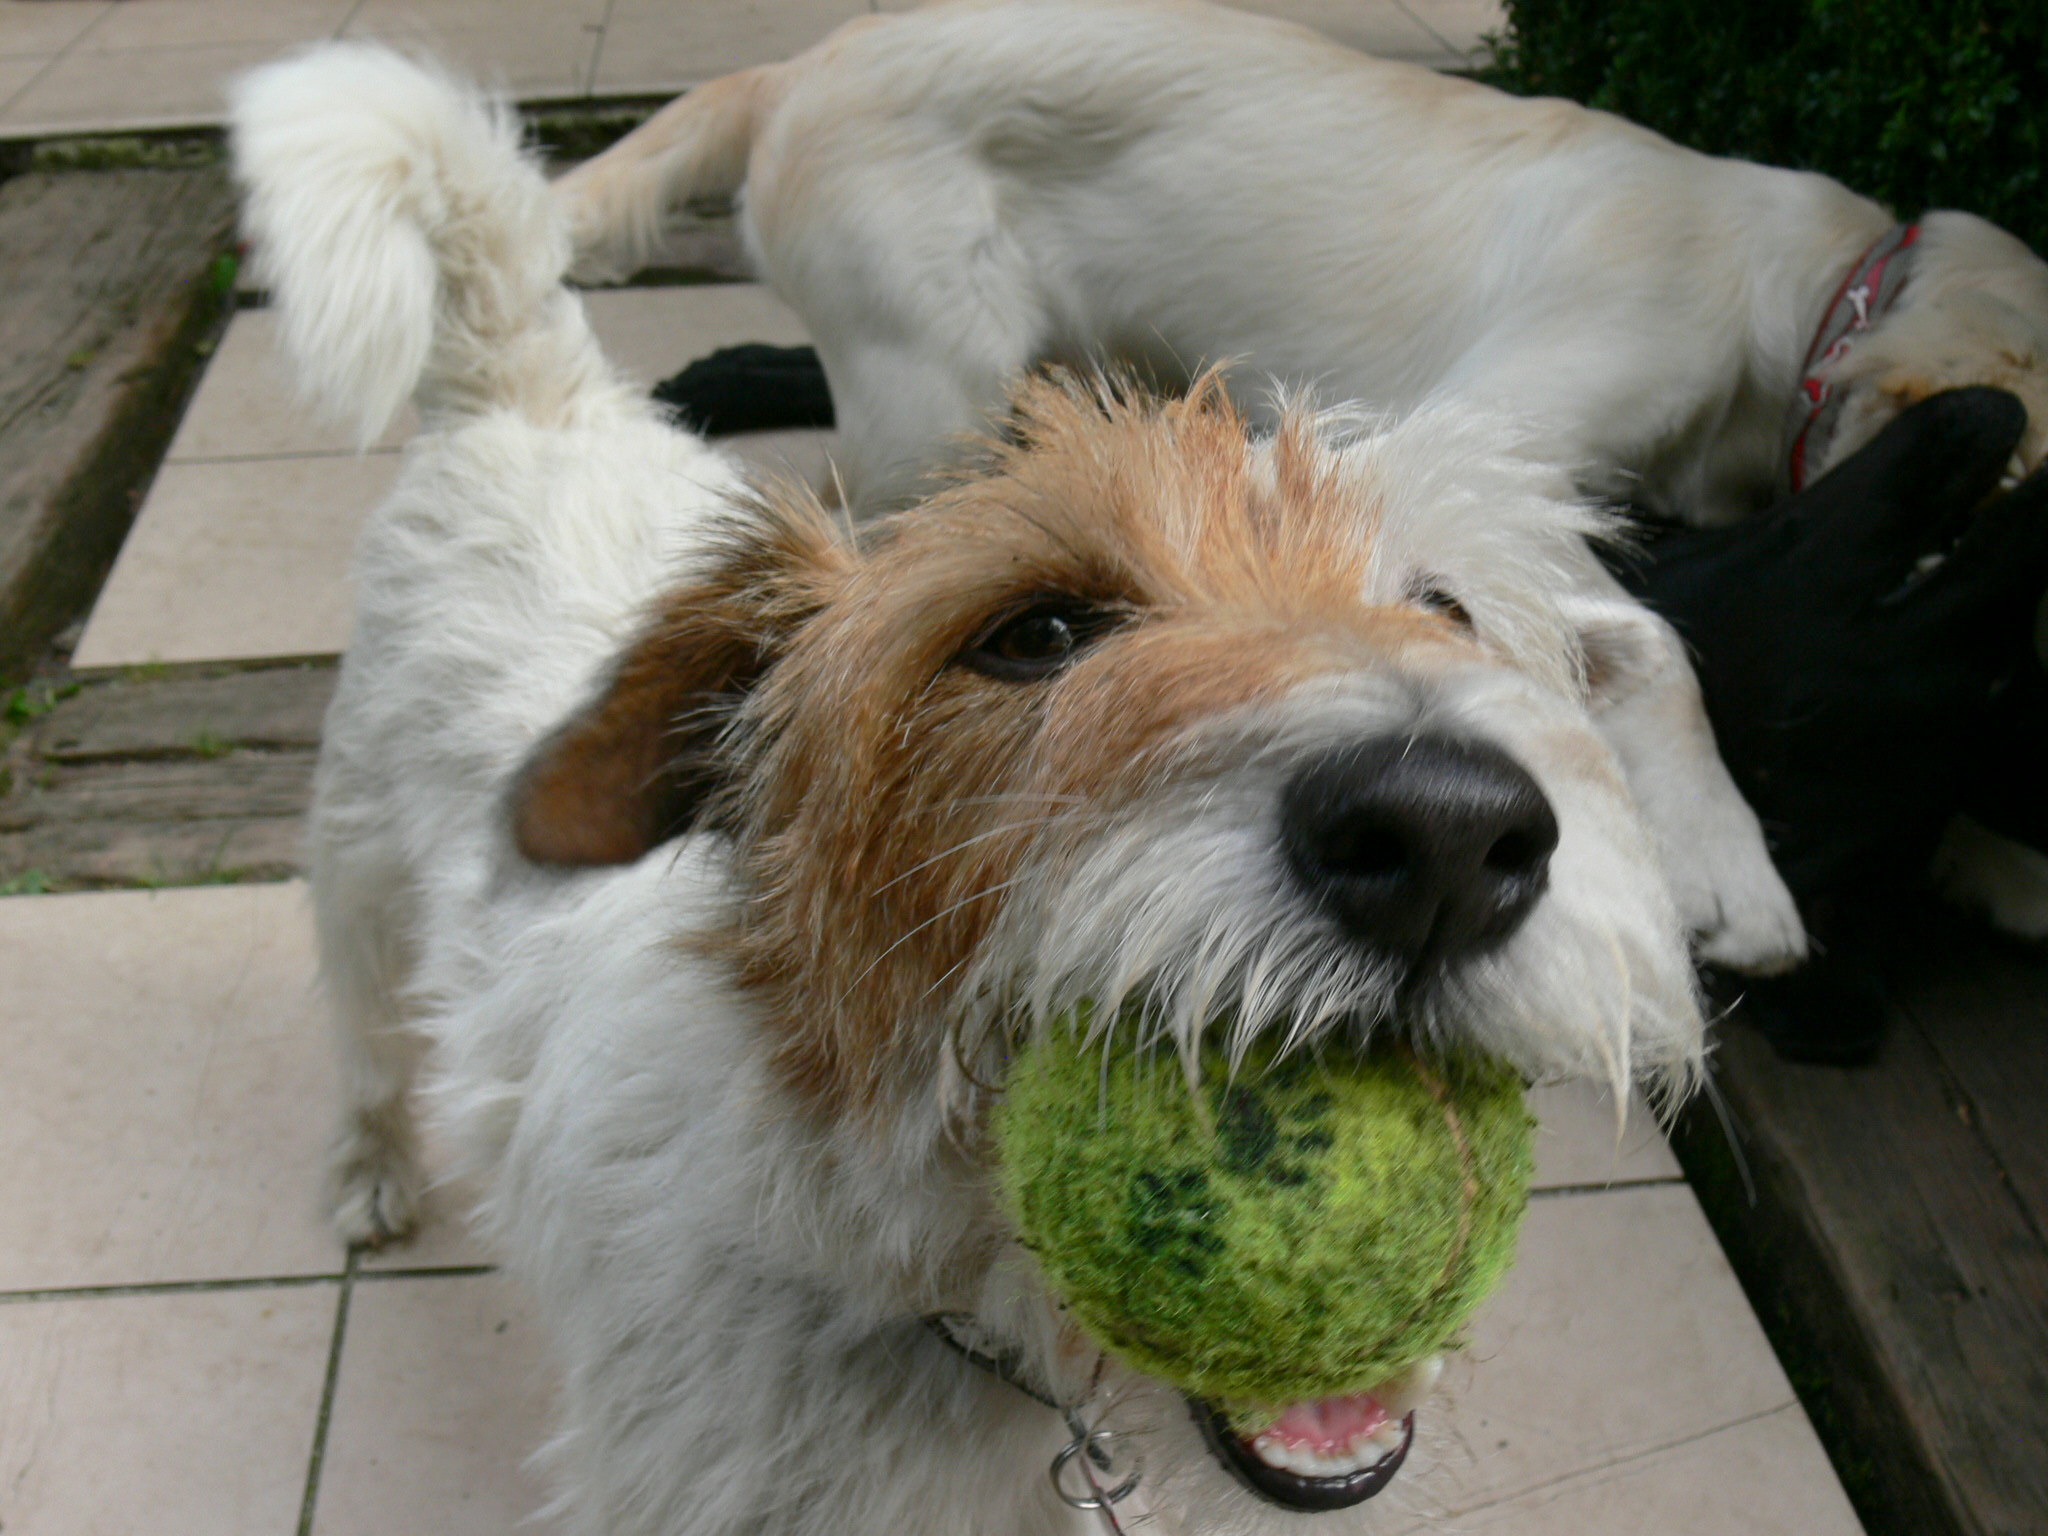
(1301, 1228)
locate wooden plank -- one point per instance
(1898, 1275)
(1983, 1006)
(110, 308)
(178, 716)
(199, 774)
(171, 790)
(75, 855)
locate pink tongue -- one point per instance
(1330, 1424)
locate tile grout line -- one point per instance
(309, 1503)
(604, 32)
(429, 1272)
(168, 1287)
(281, 456)
(1570, 1191)
(245, 1283)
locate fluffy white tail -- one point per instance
(408, 243)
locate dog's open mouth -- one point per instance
(1329, 1453)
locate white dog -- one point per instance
(1101, 721)
(951, 195)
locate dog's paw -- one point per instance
(373, 1191)
(1745, 920)
(2003, 881)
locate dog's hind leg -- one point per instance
(373, 1170)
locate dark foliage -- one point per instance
(1919, 103)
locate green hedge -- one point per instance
(1920, 103)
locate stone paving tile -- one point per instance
(130, 88)
(1766, 1476)
(1379, 27)
(242, 548)
(531, 48)
(247, 404)
(188, 1414)
(1620, 1331)
(653, 46)
(46, 27)
(196, 23)
(1580, 1143)
(443, 1396)
(237, 560)
(15, 74)
(167, 1089)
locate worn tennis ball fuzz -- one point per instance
(1300, 1229)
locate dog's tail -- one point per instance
(409, 245)
(695, 148)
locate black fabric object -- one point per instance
(1865, 649)
(1853, 641)
(752, 387)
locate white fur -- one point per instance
(733, 1286)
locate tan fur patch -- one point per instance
(883, 795)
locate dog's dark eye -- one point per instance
(1037, 641)
(1433, 597)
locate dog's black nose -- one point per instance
(1426, 847)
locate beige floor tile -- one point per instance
(15, 74)
(247, 557)
(181, 1415)
(1766, 1477)
(235, 560)
(248, 404)
(1579, 1142)
(531, 48)
(1375, 26)
(197, 23)
(658, 45)
(443, 1395)
(132, 88)
(1620, 1330)
(1383, 27)
(652, 332)
(167, 1089)
(1462, 24)
(45, 26)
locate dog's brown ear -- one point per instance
(638, 763)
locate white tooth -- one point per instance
(1388, 1436)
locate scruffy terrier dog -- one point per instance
(714, 848)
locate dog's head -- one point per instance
(1294, 734)
(1974, 311)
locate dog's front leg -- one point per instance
(1711, 846)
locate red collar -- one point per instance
(1864, 296)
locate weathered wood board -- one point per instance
(111, 305)
(1896, 1247)
(167, 779)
